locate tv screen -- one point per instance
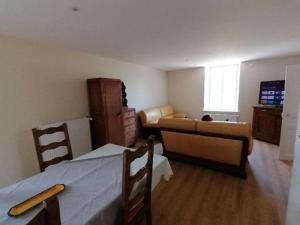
(272, 93)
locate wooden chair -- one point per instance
(133, 206)
(49, 215)
(40, 149)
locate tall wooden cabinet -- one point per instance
(105, 100)
(111, 122)
(267, 124)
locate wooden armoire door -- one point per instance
(112, 95)
(105, 101)
(267, 124)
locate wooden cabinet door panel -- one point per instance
(95, 96)
(267, 124)
(113, 110)
(98, 136)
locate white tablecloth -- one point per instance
(161, 165)
(93, 187)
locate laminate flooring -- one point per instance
(199, 196)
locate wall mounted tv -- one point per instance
(271, 93)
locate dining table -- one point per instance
(93, 187)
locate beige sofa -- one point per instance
(223, 146)
(150, 117)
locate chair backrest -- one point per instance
(42, 149)
(49, 215)
(136, 189)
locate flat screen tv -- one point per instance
(272, 93)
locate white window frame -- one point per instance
(208, 86)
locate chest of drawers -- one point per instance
(129, 120)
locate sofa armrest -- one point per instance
(179, 115)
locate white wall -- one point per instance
(293, 209)
(41, 84)
(252, 73)
(186, 87)
(185, 91)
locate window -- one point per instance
(221, 91)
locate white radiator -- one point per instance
(225, 117)
(79, 132)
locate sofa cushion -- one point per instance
(150, 115)
(176, 116)
(233, 128)
(168, 117)
(242, 129)
(178, 124)
(166, 110)
(179, 115)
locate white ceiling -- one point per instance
(165, 34)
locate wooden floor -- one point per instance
(198, 196)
